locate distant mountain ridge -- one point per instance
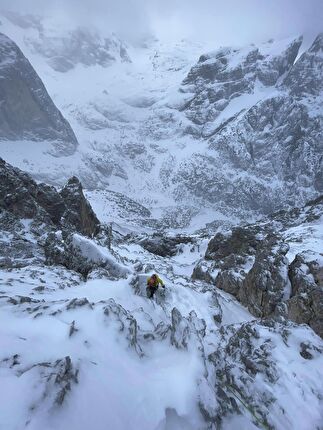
(261, 116)
(234, 135)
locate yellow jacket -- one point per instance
(154, 283)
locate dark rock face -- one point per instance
(23, 197)
(251, 264)
(265, 284)
(78, 212)
(18, 193)
(241, 241)
(163, 245)
(26, 110)
(29, 212)
(303, 77)
(230, 281)
(306, 303)
(51, 201)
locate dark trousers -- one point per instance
(151, 291)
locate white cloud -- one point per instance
(214, 22)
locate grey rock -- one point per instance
(250, 263)
(306, 302)
(229, 281)
(126, 324)
(65, 376)
(201, 272)
(56, 380)
(78, 212)
(243, 371)
(24, 198)
(163, 245)
(59, 251)
(27, 111)
(276, 141)
(213, 80)
(241, 241)
(186, 332)
(303, 78)
(265, 284)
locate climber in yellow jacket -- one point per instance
(153, 282)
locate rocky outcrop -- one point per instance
(78, 212)
(80, 254)
(266, 285)
(240, 241)
(21, 196)
(55, 379)
(39, 224)
(164, 245)
(306, 303)
(303, 77)
(250, 263)
(24, 198)
(244, 368)
(26, 110)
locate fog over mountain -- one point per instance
(207, 21)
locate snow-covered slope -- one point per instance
(82, 345)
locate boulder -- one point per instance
(78, 253)
(163, 245)
(242, 241)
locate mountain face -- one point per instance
(234, 135)
(76, 46)
(26, 111)
(84, 346)
(261, 115)
(220, 77)
(256, 265)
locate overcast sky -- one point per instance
(217, 22)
